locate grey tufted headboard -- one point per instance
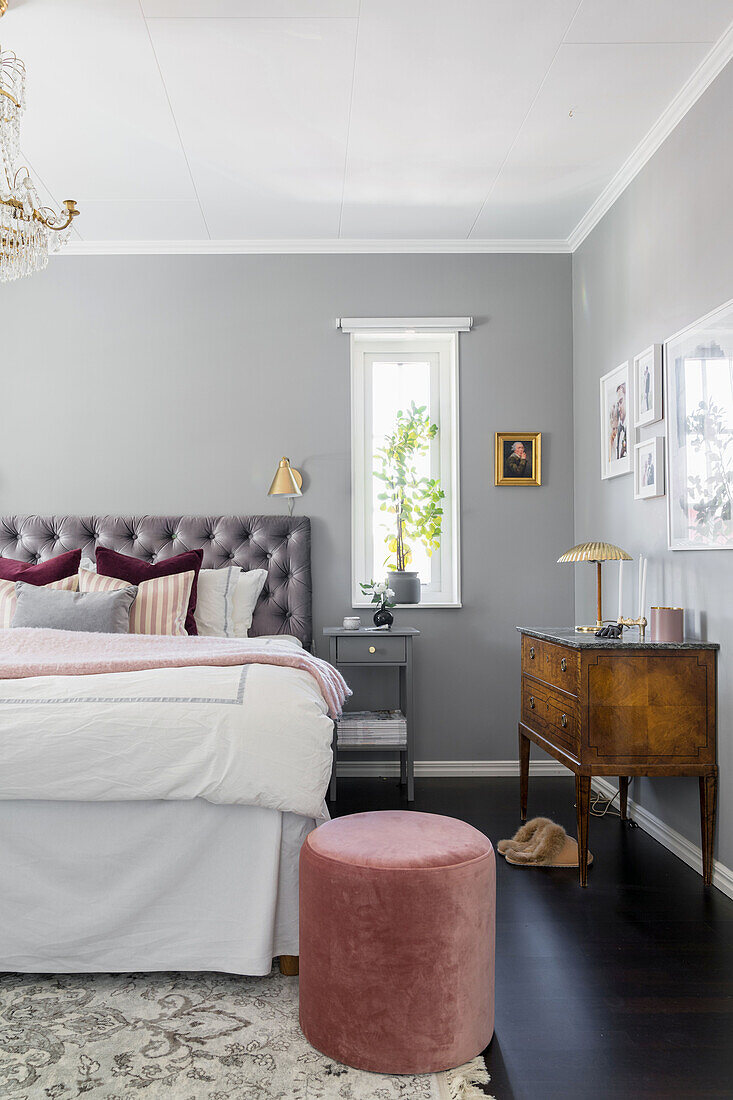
(279, 544)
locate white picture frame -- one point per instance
(649, 468)
(648, 384)
(616, 422)
(698, 387)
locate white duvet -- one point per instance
(255, 735)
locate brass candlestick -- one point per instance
(641, 623)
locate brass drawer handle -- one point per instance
(372, 649)
(564, 665)
(564, 721)
(531, 653)
(531, 702)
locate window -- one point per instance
(391, 371)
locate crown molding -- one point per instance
(309, 247)
(710, 67)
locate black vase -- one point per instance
(383, 617)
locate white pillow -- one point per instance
(246, 595)
(214, 612)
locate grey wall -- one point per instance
(661, 257)
(174, 384)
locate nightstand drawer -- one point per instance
(560, 667)
(373, 649)
(551, 714)
(533, 656)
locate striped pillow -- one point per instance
(161, 604)
(8, 601)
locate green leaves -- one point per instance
(414, 501)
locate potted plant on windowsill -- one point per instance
(414, 502)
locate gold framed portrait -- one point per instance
(518, 458)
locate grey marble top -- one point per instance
(630, 639)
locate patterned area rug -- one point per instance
(184, 1037)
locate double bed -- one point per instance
(152, 818)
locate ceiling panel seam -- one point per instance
(521, 125)
(348, 124)
(174, 119)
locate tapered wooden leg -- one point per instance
(582, 807)
(623, 786)
(290, 965)
(523, 775)
(708, 806)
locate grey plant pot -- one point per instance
(406, 586)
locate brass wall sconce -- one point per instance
(287, 483)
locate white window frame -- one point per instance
(427, 339)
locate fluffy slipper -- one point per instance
(565, 856)
(525, 834)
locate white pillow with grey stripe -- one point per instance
(214, 612)
(95, 612)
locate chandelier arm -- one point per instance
(13, 100)
(46, 219)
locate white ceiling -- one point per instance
(392, 120)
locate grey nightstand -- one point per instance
(366, 648)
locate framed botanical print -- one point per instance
(518, 458)
(699, 394)
(649, 468)
(616, 424)
(648, 386)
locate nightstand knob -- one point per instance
(531, 702)
(564, 665)
(531, 653)
(564, 721)
(372, 649)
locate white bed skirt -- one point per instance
(126, 886)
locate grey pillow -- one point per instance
(97, 612)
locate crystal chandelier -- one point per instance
(28, 230)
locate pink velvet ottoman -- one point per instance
(397, 941)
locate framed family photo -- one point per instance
(649, 468)
(615, 422)
(699, 393)
(648, 386)
(518, 458)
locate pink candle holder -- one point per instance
(668, 624)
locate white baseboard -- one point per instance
(436, 768)
(670, 839)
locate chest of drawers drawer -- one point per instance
(551, 714)
(552, 664)
(372, 649)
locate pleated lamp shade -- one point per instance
(595, 552)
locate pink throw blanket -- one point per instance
(34, 652)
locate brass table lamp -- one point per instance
(596, 552)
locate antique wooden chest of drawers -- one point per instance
(622, 708)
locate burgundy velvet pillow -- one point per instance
(126, 568)
(45, 572)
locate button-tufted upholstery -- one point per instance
(279, 544)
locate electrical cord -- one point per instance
(601, 806)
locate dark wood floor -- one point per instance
(624, 989)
